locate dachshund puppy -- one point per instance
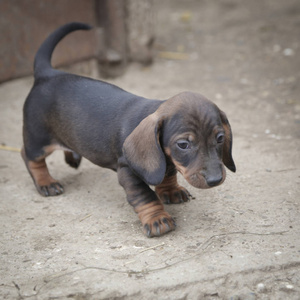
(145, 141)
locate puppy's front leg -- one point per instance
(169, 191)
(155, 220)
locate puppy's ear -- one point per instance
(227, 148)
(143, 152)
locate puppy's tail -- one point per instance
(42, 61)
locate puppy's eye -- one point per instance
(220, 137)
(184, 145)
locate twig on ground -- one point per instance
(87, 216)
(8, 148)
(153, 247)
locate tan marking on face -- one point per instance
(191, 137)
(194, 177)
(188, 136)
(167, 151)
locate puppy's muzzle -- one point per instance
(204, 179)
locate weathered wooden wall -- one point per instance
(25, 24)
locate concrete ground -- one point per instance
(237, 241)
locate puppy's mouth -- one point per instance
(203, 180)
(199, 181)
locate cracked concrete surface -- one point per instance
(236, 241)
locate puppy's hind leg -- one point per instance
(45, 184)
(72, 159)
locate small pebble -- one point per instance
(288, 52)
(261, 287)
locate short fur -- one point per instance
(145, 141)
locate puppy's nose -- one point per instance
(213, 181)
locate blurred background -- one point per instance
(125, 32)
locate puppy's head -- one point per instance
(190, 131)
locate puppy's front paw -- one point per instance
(159, 225)
(53, 189)
(175, 195)
(155, 220)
